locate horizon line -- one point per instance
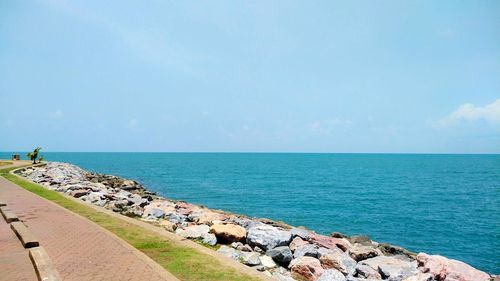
(267, 152)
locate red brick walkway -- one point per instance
(79, 249)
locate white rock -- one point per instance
(209, 238)
(267, 262)
(194, 231)
(331, 275)
(229, 252)
(250, 258)
(268, 237)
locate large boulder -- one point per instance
(193, 231)
(394, 268)
(175, 218)
(445, 269)
(306, 269)
(228, 233)
(208, 217)
(229, 252)
(338, 260)
(329, 242)
(308, 250)
(360, 252)
(154, 212)
(332, 275)
(268, 237)
(281, 255)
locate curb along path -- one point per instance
(15, 263)
(79, 249)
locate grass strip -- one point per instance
(183, 262)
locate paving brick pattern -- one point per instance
(15, 263)
(79, 249)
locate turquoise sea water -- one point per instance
(439, 204)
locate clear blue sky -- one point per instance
(310, 76)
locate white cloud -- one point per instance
(326, 126)
(56, 114)
(468, 112)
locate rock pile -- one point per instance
(278, 250)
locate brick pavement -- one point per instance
(79, 249)
(15, 263)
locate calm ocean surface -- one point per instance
(440, 204)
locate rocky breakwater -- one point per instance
(279, 250)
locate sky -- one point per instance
(251, 76)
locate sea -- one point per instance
(438, 204)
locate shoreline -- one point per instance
(273, 247)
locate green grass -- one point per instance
(5, 163)
(183, 262)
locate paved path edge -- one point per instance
(24, 234)
(154, 265)
(42, 263)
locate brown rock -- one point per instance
(330, 242)
(297, 242)
(228, 233)
(209, 217)
(78, 193)
(306, 268)
(388, 249)
(360, 239)
(338, 235)
(360, 252)
(168, 225)
(184, 212)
